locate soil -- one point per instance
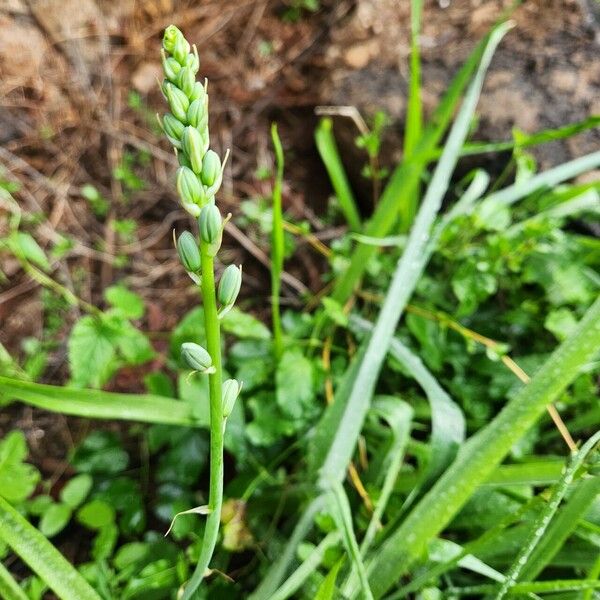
(67, 71)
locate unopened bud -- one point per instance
(173, 127)
(193, 147)
(171, 68)
(195, 112)
(231, 391)
(192, 60)
(187, 248)
(190, 190)
(229, 286)
(170, 38)
(211, 168)
(186, 80)
(210, 224)
(178, 101)
(196, 357)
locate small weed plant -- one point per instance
(426, 428)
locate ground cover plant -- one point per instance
(425, 426)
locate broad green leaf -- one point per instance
(17, 478)
(92, 352)
(76, 490)
(98, 404)
(244, 325)
(100, 452)
(27, 246)
(55, 519)
(42, 557)
(294, 381)
(96, 514)
(129, 304)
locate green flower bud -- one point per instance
(192, 61)
(229, 286)
(187, 248)
(196, 112)
(193, 147)
(199, 92)
(231, 391)
(186, 80)
(178, 101)
(180, 49)
(210, 224)
(190, 190)
(170, 38)
(196, 356)
(173, 127)
(171, 68)
(211, 168)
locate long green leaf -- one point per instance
(342, 514)
(538, 551)
(301, 574)
(482, 453)
(341, 439)
(326, 590)
(9, 588)
(98, 404)
(414, 110)
(277, 244)
(536, 587)
(447, 419)
(335, 169)
(44, 559)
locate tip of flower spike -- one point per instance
(170, 38)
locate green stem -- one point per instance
(217, 429)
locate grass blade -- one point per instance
(9, 588)
(277, 244)
(447, 419)
(414, 109)
(536, 587)
(482, 453)
(326, 590)
(98, 404)
(342, 514)
(301, 574)
(43, 558)
(536, 554)
(279, 568)
(331, 159)
(341, 439)
(399, 416)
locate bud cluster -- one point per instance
(186, 126)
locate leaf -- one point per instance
(326, 590)
(129, 304)
(96, 514)
(42, 557)
(294, 381)
(269, 425)
(27, 246)
(561, 322)
(244, 325)
(55, 519)
(132, 344)
(189, 329)
(92, 353)
(101, 453)
(76, 490)
(98, 404)
(17, 478)
(9, 588)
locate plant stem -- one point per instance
(277, 245)
(217, 429)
